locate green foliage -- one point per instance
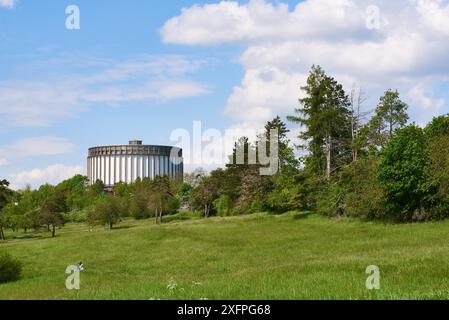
(203, 196)
(362, 194)
(10, 268)
(325, 116)
(5, 193)
(162, 197)
(438, 127)
(184, 190)
(5, 196)
(139, 198)
(223, 205)
(253, 191)
(330, 200)
(53, 210)
(283, 197)
(78, 216)
(403, 174)
(75, 191)
(95, 191)
(285, 152)
(391, 114)
(437, 201)
(292, 190)
(106, 212)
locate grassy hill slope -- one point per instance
(292, 256)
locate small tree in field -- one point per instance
(204, 195)
(106, 212)
(53, 209)
(162, 197)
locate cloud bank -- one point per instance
(52, 174)
(379, 44)
(149, 78)
(9, 4)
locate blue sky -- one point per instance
(138, 70)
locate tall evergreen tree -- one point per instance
(391, 114)
(326, 118)
(286, 154)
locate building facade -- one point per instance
(126, 163)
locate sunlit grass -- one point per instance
(262, 256)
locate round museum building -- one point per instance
(126, 163)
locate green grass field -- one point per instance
(292, 256)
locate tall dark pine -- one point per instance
(286, 154)
(391, 114)
(325, 115)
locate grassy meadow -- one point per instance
(291, 256)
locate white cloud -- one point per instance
(263, 91)
(52, 174)
(7, 3)
(26, 103)
(228, 21)
(156, 91)
(435, 14)
(148, 78)
(428, 105)
(34, 147)
(410, 46)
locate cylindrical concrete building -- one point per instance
(126, 163)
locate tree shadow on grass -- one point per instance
(27, 237)
(122, 227)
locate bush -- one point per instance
(437, 200)
(78, 215)
(403, 173)
(330, 200)
(138, 208)
(293, 190)
(364, 196)
(10, 268)
(354, 192)
(223, 205)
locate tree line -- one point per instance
(50, 207)
(370, 165)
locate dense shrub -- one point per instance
(330, 200)
(78, 215)
(363, 194)
(138, 207)
(354, 192)
(403, 174)
(437, 200)
(223, 205)
(10, 268)
(293, 190)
